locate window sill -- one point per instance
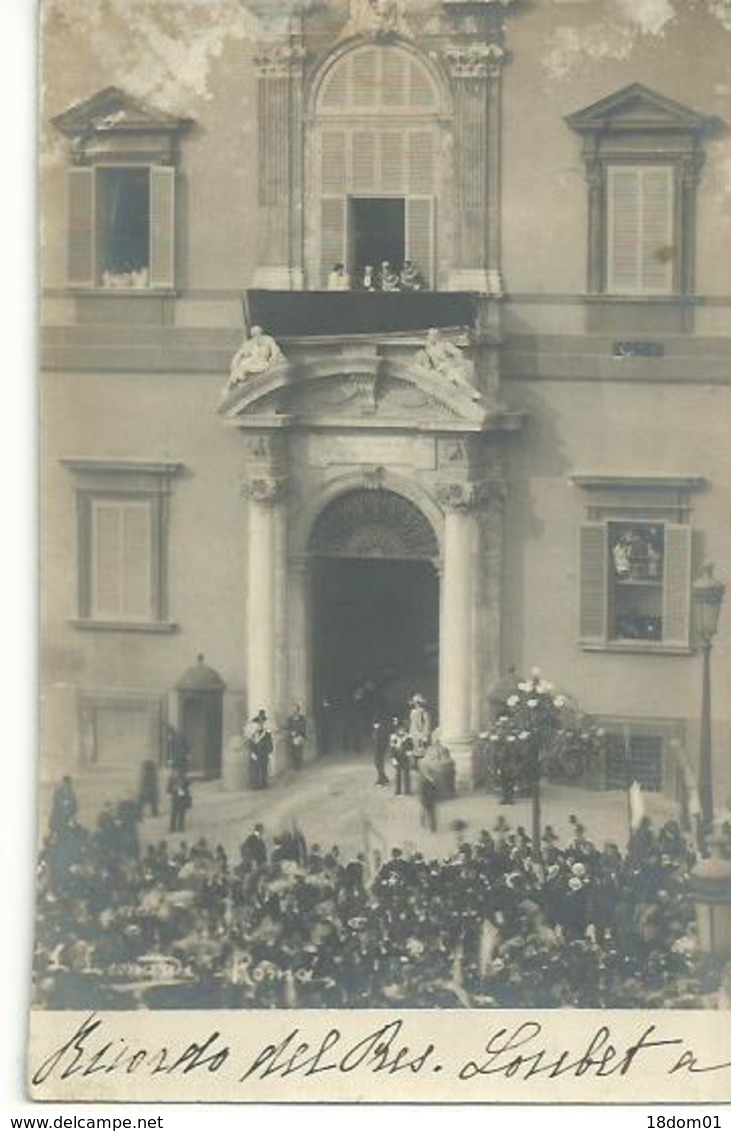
(638, 647)
(124, 292)
(90, 625)
(647, 300)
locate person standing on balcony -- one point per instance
(338, 279)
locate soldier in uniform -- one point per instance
(260, 745)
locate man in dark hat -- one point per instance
(260, 745)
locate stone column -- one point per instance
(261, 625)
(476, 70)
(299, 646)
(457, 643)
(280, 164)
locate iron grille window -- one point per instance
(644, 764)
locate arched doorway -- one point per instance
(375, 610)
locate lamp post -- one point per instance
(707, 600)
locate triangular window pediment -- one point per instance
(113, 110)
(636, 107)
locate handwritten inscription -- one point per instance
(519, 1053)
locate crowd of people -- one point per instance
(291, 923)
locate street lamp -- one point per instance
(707, 600)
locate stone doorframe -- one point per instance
(466, 518)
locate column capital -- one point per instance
(280, 60)
(463, 497)
(475, 60)
(265, 489)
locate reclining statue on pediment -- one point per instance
(257, 354)
(442, 358)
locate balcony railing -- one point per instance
(286, 314)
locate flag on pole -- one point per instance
(636, 805)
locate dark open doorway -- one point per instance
(378, 225)
(375, 622)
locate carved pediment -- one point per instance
(638, 108)
(349, 389)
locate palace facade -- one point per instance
(539, 489)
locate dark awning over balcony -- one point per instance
(317, 313)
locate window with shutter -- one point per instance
(81, 271)
(640, 229)
(421, 161)
(334, 161)
(122, 511)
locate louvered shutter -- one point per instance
(332, 233)
(162, 226)
(676, 585)
(392, 85)
(421, 89)
(421, 161)
(392, 174)
(80, 268)
(624, 229)
(336, 92)
(420, 235)
(593, 583)
(122, 560)
(363, 161)
(656, 252)
(136, 561)
(106, 558)
(334, 161)
(640, 227)
(364, 79)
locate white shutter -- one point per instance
(364, 80)
(334, 161)
(420, 235)
(623, 217)
(106, 595)
(392, 83)
(363, 161)
(336, 91)
(332, 233)
(121, 560)
(593, 583)
(676, 585)
(640, 229)
(657, 230)
(421, 88)
(162, 226)
(421, 161)
(80, 267)
(392, 173)
(136, 561)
